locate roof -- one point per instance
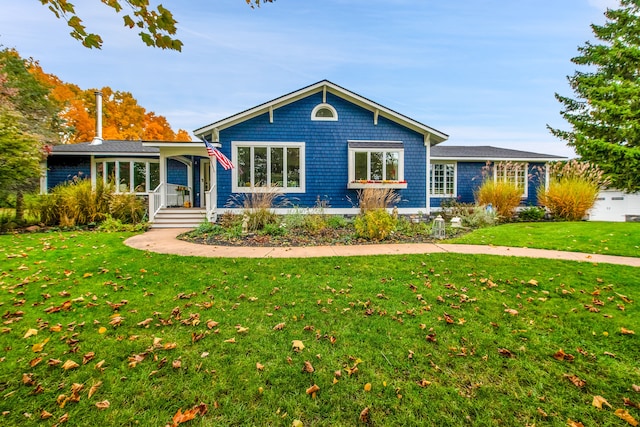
(110, 147)
(434, 135)
(486, 152)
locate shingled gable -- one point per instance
(431, 135)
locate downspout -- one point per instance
(427, 143)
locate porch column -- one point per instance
(163, 178)
(428, 175)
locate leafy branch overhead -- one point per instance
(157, 25)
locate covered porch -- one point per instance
(187, 188)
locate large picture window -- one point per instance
(376, 164)
(443, 179)
(266, 165)
(514, 173)
(129, 175)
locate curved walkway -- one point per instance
(164, 241)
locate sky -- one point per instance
(482, 71)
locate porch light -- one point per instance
(438, 228)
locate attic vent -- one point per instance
(325, 112)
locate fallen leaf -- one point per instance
(27, 379)
(64, 418)
(69, 364)
(231, 340)
(308, 367)
(598, 401)
(88, 357)
(297, 423)
(575, 380)
(572, 423)
(623, 414)
(30, 332)
(364, 415)
(511, 311)
(636, 388)
(45, 415)
(626, 331)
(314, 388)
(259, 366)
(37, 348)
(145, 322)
(297, 345)
(367, 387)
(102, 330)
(505, 352)
(94, 388)
(103, 404)
(561, 355)
(279, 326)
(189, 414)
(211, 324)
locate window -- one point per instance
(512, 172)
(262, 165)
(132, 176)
(443, 179)
(324, 112)
(376, 164)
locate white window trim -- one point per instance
(326, 119)
(524, 168)
(399, 184)
(131, 161)
(235, 188)
(455, 180)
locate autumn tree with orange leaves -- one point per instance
(123, 117)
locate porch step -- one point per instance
(179, 218)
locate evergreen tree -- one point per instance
(605, 116)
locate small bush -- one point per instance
(503, 196)
(273, 230)
(532, 213)
(377, 198)
(314, 222)
(257, 207)
(127, 208)
(208, 228)
(573, 189)
(337, 221)
(374, 224)
(478, 217)
(112, 225)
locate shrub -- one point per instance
(337, 221)
(377, 198)
(127, 208)
(503, 196)
(257, 207)
(112, 225)
(478, 217)
(374, 224)
(573, 189)
(532, 213)
(273, 230)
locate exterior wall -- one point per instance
(176, 172)
(63, 168)
(326, 157)
(469, 178)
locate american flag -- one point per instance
(214, 152)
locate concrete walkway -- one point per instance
(163, 240)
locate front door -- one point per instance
(205, 179)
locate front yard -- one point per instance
(96, 333)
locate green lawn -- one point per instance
(609, 238)
(441, 339)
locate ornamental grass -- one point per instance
(503, 196)
(573, 189)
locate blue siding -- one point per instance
(65, 168)
(326, 158)
(469, 178)
(176, 172)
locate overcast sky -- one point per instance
(482, 71)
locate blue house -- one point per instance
(317, 145)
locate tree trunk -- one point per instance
(19, 207)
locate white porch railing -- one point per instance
(155, 201)
(174, 196)
(209, 204)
